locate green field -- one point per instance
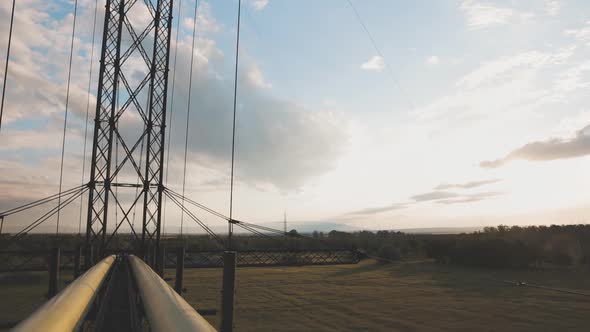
(408, 296)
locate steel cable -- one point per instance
(88, 109)
(378, 50)
(201, 206)
(37, 202)
(172, 107)
(195, 219)
(72, 196)
(233, 138)
(188, 113)
(63, 142)
(7, 61)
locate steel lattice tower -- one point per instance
(130, 113)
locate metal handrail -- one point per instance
(66, 310)
(164, 309)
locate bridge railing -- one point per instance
(37, 260)
(284, 257)
(66, 311)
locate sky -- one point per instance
(364, 114)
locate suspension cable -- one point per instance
(63, 142)
(37, 202)
(139, 167)
(171, 108)
(232, 221)
(7, 60)
(268, 229)
(201, 206)
(137, 187)
(73, 196)
(88, 109)
(254, 231)
(195, 218)
(233, 138)
(392, 75)
(117, 158)
(188, 112)
(254, 228)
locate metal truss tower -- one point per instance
(129, 125)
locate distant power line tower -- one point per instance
(128, 145)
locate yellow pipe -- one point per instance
(65, 311)
(164, 308)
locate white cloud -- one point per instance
(489, 88)
(581, 35)
(574, 78)
(206, 22)
(433, 60)
(375, 63)
(259, 4)
(296, 143)
(552, 7)
(254, 76)
(502, 69)
(481, 15)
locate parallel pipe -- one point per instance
(66, 310)
(165, 310)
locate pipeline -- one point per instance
(66, 311)
(165, 310)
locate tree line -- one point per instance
(501, 246)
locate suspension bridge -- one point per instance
(122, 289)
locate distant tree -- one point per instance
(389, 251)
(382, 233)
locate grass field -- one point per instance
(22, 292)
(409, 296)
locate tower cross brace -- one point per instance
(130, 112)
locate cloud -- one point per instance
(574, 78)
(552, 7)
(375, 63)
(434, 195)
(446, 197)
(206, 22)
(256, 78)
(497, 71)
(582, 34)
(488, 89)
(552, 149)
(380, 209)
(466, 185)
(433, 60)
(469, 198)
(279, 142)
(259, 4)
(15, 140)
(481, 15)
(439, 195)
